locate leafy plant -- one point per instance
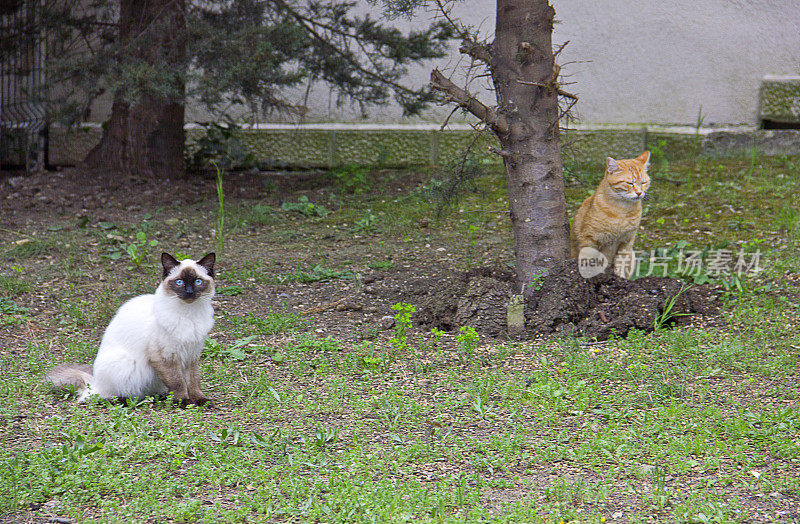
(324, 436)
(227, 437)
(222, 146)
(304, 207)
(367, 222)
(402, 323)
(467, 341)
(139, 250)
(239, 350)
(353, 178)
(11, 313)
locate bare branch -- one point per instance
(463, 98)
(560, 48)
(501, 152)
(560, 91)
(447, 120)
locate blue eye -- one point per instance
(198, 282)
(179, 282)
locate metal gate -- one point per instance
(23, 115)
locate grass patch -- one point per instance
(11, 286)
(30, 249)
(330, 416)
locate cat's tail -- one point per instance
(70, 377)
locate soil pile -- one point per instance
(564, 302)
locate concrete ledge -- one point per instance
(328, 145)
(779, 100)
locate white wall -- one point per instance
(645, 61)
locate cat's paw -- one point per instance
(202, 401)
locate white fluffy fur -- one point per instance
(159, 322)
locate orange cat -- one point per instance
(608, 220)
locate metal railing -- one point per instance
(23, 115)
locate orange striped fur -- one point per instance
(608, 220)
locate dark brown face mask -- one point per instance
(188, 285)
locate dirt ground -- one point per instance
(563, 303)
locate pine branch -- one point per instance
(463, 98)
(308, 24)
(477, 51)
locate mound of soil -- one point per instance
(563, 302)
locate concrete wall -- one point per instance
(640, 61)
(631, 61)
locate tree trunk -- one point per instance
(144, 134)
(522, 67)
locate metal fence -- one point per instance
(23, 116)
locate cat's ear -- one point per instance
(611, 166)
(644, 159)
(208, 263)
(168, 262)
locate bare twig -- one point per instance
(560, 91)
(447, 120)
(560, 48)
(463, 98)
(501, 152)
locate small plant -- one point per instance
(10, 313)
(352, 178)
(467, 341)
(367, 223)
(668, 315)
(236, 351)
(436, 340)
(482, 408)
(402, 323)
(306, 208)
(219, 227)
(324, 437)
(139, 250)
(658, 157)
(227, 437)
(537, 281)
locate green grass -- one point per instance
(29, 249)
(322, 422)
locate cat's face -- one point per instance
(188, 280)
(628, 178)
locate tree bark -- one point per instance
(144, 135)
(524, 75)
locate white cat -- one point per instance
(152, 345)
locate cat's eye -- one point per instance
(198, 282)
(179, 282)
